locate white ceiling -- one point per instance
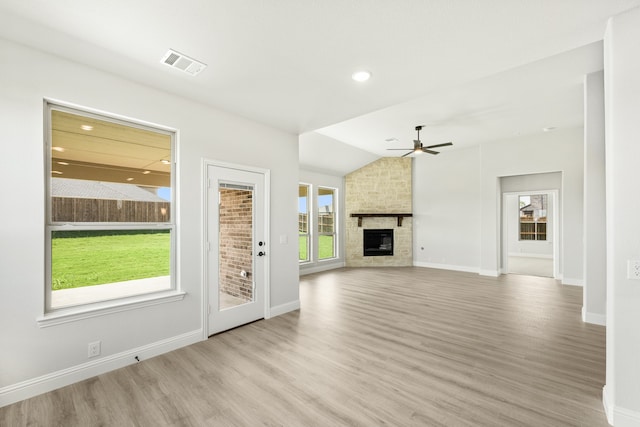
(518, 102)
(468, 69)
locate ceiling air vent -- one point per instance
(182, 62)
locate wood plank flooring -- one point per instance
(369, 347)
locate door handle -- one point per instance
(261, 253)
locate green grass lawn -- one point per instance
(325, 247)
(89, 258)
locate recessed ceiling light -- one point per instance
(56, 172)
(361, 76)
(146, 172)
(59, 149)
(86, 127)
(549, 129)
(129, 179)
(165, 162)
(63, 163)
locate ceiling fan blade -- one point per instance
(405, 155)
(446, 144)
(425, 150)
(403, 149)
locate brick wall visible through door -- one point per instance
(236, 218)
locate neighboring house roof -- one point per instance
(84, 189)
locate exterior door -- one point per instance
(236, 246)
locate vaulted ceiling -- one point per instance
(468, 70)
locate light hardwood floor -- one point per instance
(370, 347)
(530, 266)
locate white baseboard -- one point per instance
(572, 282)
(608, 409)
(530, 255)
(623, 417)
(317, 268)
(491, 273)
(284, 308)
(595, 318)
(620, 417)
(33, 387)
(446, 266)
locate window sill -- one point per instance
(74, 314)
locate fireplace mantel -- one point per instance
(400, 216)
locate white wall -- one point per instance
(622, 124)
(531, 182)
(33, 359)
(332, 181)
(456, 202)
(320, 153)
(558, 151)
(595, 252)
(446, 201)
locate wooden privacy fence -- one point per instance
(71, 209)
(325, 223)
(302, 223)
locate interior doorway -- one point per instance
(530, 233)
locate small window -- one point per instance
(326, 223)
(533, 217)
(110, 227)
(303, 223)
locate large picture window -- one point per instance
(326, 223)
(110, 227)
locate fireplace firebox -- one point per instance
(378, 242)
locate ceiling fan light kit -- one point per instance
(418, 148)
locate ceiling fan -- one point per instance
(419, 148)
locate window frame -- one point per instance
(310, 222)
(56, 315)
(534, 221)
(334, 234)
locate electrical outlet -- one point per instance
(94, 349)
(633, 269)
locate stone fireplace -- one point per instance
(378, 197)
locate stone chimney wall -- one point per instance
(383, 186)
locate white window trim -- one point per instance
(103, 308)
(56, 316)
(310, 223)
(336, 255)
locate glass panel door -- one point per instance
(237, 253)
(235, 245)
